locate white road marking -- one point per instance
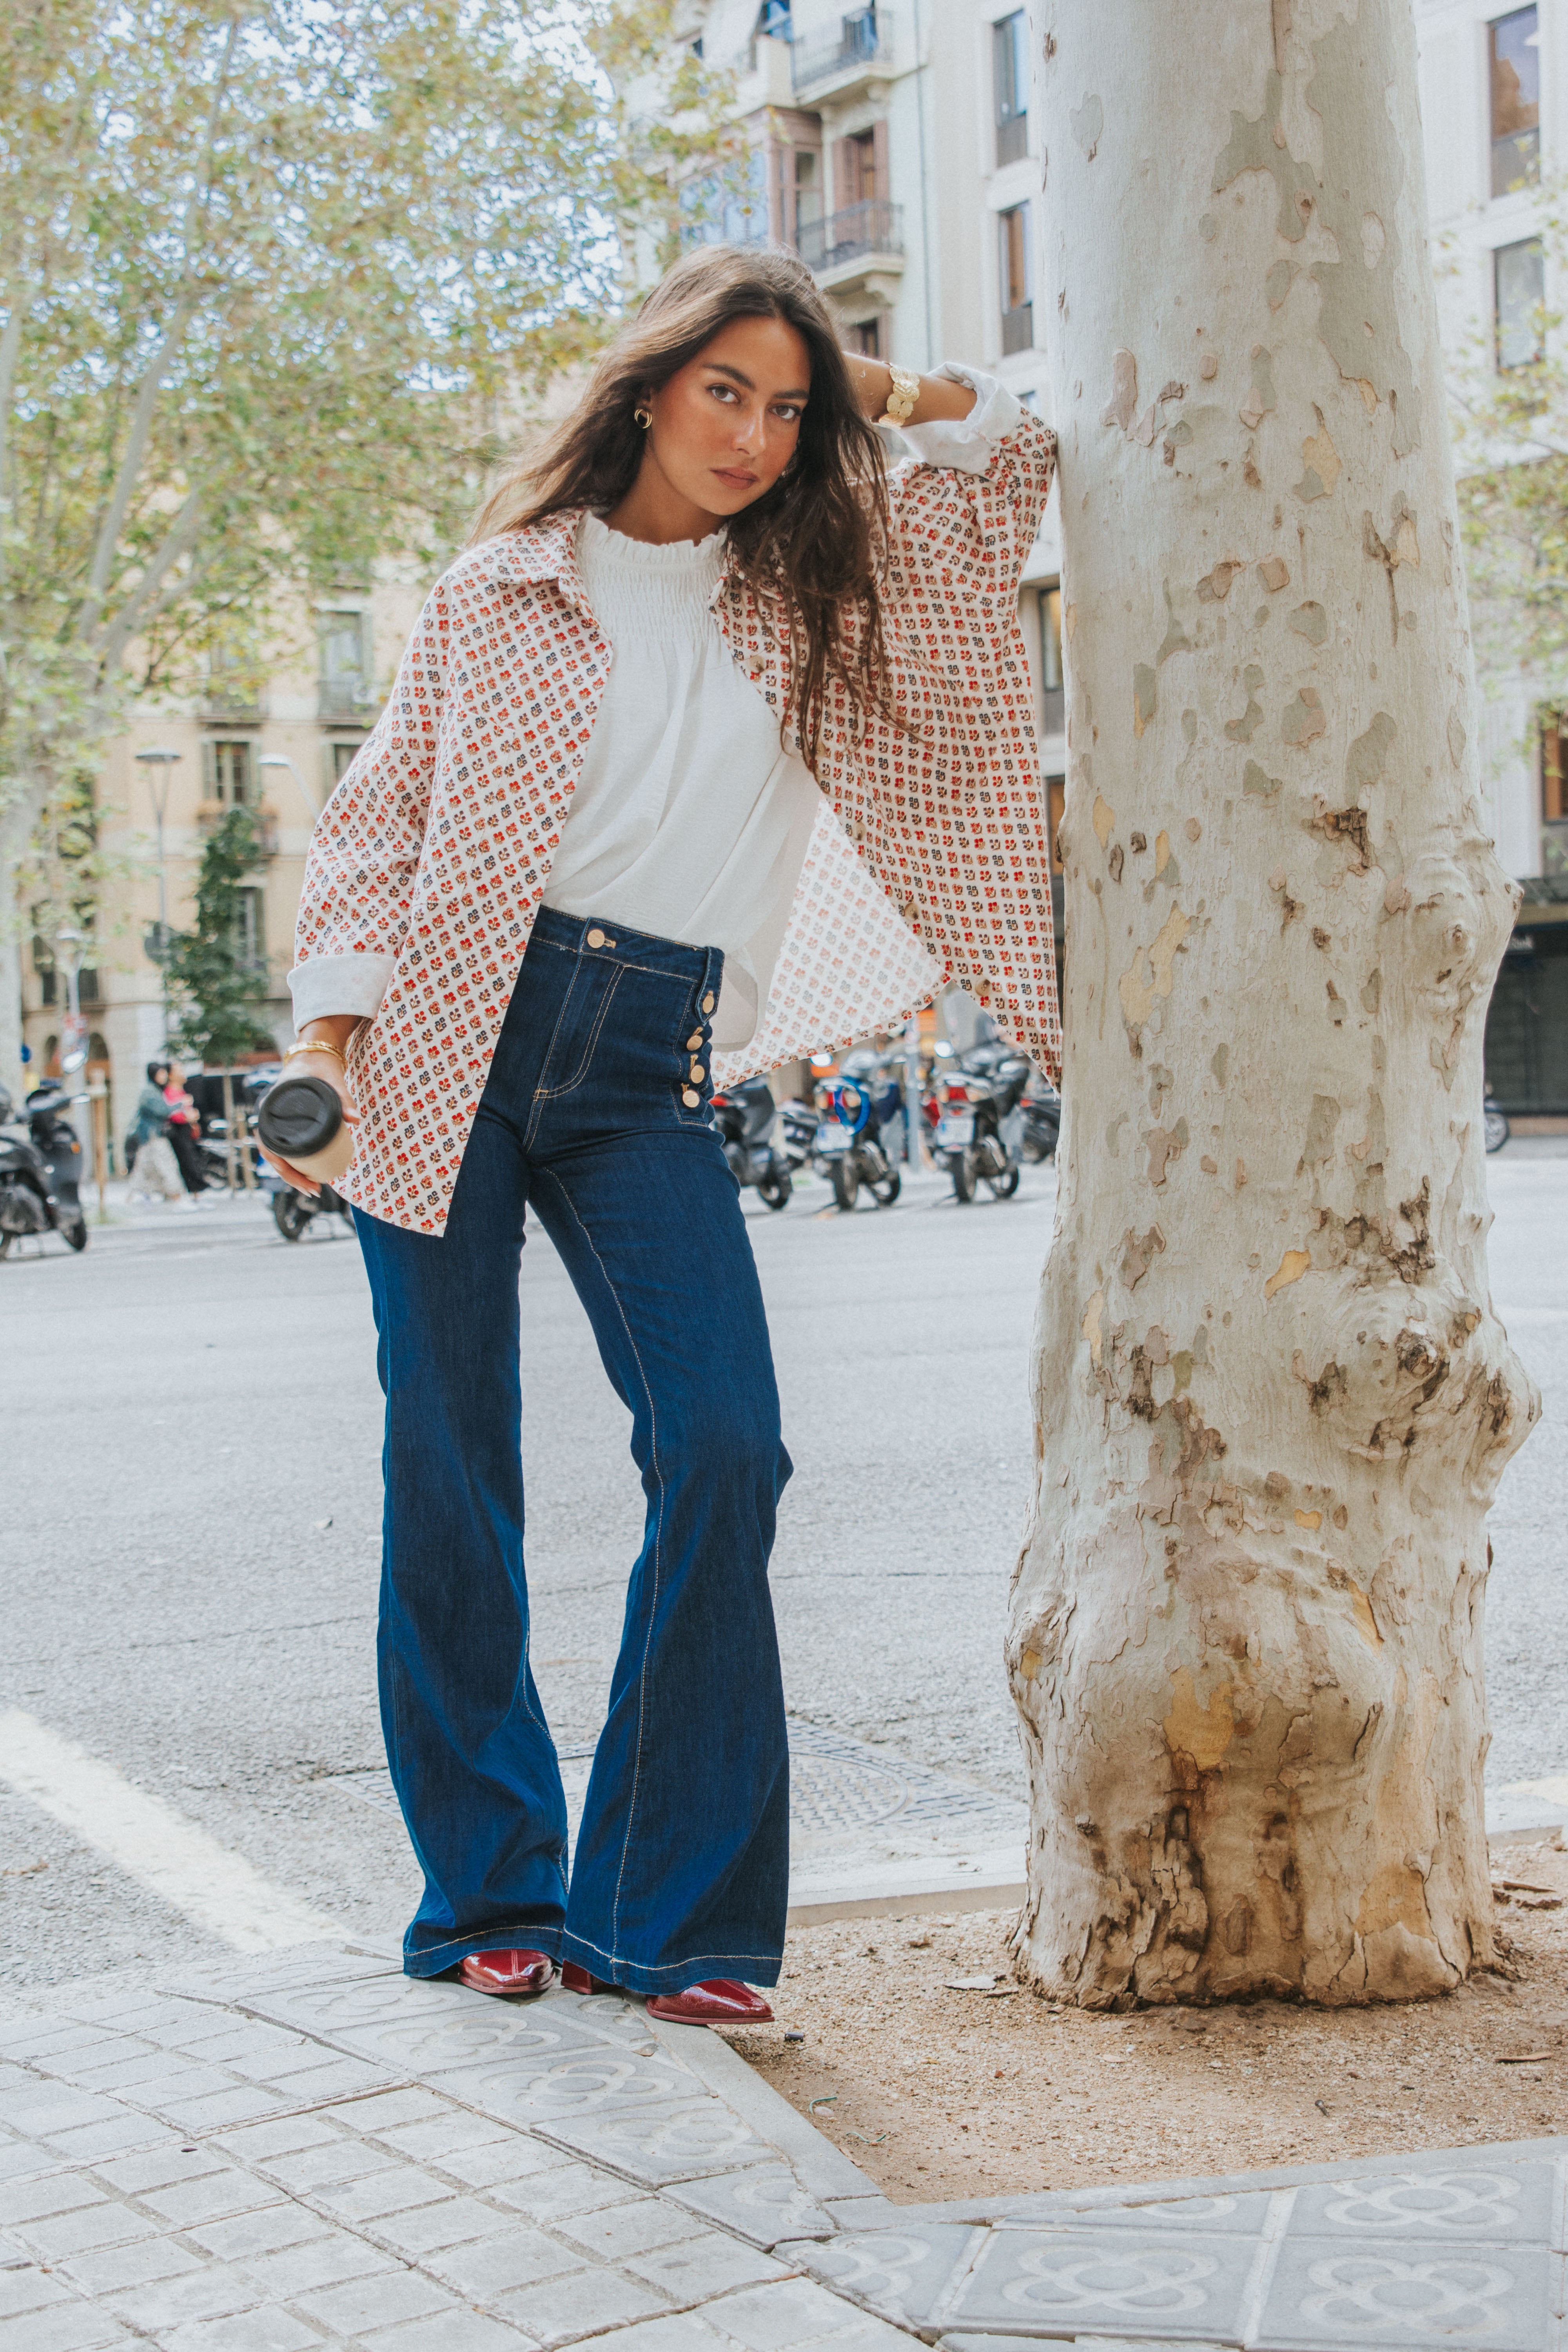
(152, 1842)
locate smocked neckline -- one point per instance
(680, 555)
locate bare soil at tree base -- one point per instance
(939, 2093)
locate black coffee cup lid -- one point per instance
(298, 1115)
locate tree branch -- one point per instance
(144, 599)
(157, 367)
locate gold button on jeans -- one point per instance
(596, 938)
(697, 1074)
(690, 1098)
(693, 1041)
(707, 1003)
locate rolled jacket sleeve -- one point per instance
(969, 442)
(326, 984)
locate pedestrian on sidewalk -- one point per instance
(184, 1128)
(150, 1163)
(716, 741)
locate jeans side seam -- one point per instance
(657, 1547)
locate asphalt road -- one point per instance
(190, 1533)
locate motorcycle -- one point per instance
(847, 1147)
(745, 1115)
(40, 1171)
(976, 1111)
(798, 1123)
(1042, 1109)
(293, 1210)
(1495, 1129)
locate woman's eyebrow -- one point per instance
(721, 367)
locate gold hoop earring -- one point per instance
(642, 417)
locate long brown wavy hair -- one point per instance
(811, 545)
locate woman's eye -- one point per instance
(788, 412)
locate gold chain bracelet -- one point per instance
(903, 397)
(316, 1046)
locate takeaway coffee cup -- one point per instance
(302, 1122)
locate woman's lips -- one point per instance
(736, 481)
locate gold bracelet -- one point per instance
(316, 1046)
(903, 397)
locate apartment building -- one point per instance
(276, 749)
(895, 149)
(1494, 109)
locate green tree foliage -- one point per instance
(1512, 457)
(216, 989)
(271, 273)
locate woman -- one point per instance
(715, 740)
(182, 1130)
(149, 1158)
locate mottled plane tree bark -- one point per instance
(1273, 1400)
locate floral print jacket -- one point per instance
(929, 861)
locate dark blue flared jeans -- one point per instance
(681, 1868)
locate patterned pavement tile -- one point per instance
(1109, 2284)
(661, 2144)
(1327, 2294)
(1499, 2204)
(767, 2204)
(900, 2273)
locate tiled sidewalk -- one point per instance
(312, 2151)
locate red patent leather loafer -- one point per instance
(523, 1975)
(723, 2000)
(576, 1980)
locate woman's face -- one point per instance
(726, 425)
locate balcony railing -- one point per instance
(230, 706)
(863, 38)
(209, 816)
(344, 698)
(872, 226)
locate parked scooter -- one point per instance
(976, 1109)
(293, 1210)
(40, 1168)
(745, 1115)
(849, 1147)
(798, 1123)
(1495, 1128)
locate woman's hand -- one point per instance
(334, 1029)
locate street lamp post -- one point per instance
(277, 760)
(67, 946)
(158, 764)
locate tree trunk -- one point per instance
(1272, 1399)
(15, 831)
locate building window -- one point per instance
(807, 190)
(1010, 82)
(1053, 691)
(251, 935)
(1554, 792)
(772, 20)
(345, 664)
(1514, 47)
(226, 773)
(866, 337)
(341, 757)
(860, 168)
(1016, 277)
(1519, 293)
